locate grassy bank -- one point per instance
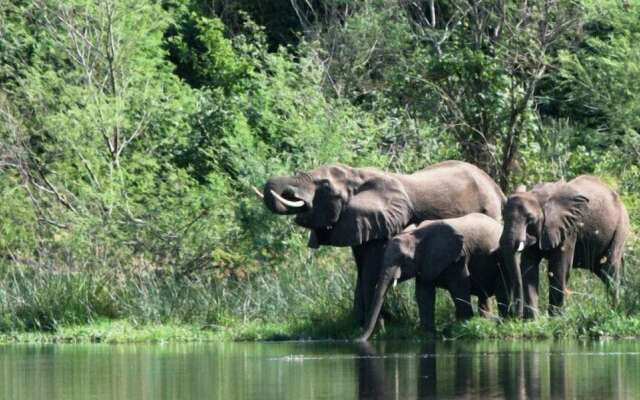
(122, 331)
(310, 299)
(116, 331)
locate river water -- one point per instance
(323, 370)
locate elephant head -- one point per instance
(398, 261)
(427, 251)
(340, 205)
(544, 218)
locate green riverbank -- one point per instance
(121, 331)
(304, 301)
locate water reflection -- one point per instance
(372, 381)
(427, 372)
(510, 371)
(393, 370)
(378, 374)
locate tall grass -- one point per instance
(309, 297)
(44, 299)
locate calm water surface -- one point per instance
(295, 370)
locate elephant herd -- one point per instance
(450, 226)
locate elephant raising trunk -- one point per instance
(364, 207)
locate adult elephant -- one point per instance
(580, 223)
(363, 207)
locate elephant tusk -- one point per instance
(259, 193)
(520, 247)
(395, 282)
(288, 203)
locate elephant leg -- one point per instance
(530, 281)
(484, 307)
(557, 287)
(368, 286)
(369, 258)
(460, 291)
(609, 274)
(502, 294)
(560, 263)
(358, 304)
(426, 298)
(503, 302)
(612, 265)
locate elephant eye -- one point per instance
(326, 187)
(325, 190)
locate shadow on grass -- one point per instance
(342, 327)
(345, 328)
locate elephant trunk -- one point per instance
(281, 196)
(512, 243)
(511, 262)
(378, 299)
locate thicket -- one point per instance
(132, 130)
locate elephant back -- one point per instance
(604, 223)
(453, 189)
(481, 233)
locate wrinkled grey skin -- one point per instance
(364, 207)
(580, 223)
(457, 254)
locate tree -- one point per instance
(484, 69)
(597, 85)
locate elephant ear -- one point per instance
(378, 209)
(561, 217)
(440, 247)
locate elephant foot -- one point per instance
(362, 339)
(530, 313)
(385, 314)
(430, 334)
(554, 311)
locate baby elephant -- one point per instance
(457, 254)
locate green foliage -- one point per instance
(131, 132)
(202, 54)
(598, 82)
